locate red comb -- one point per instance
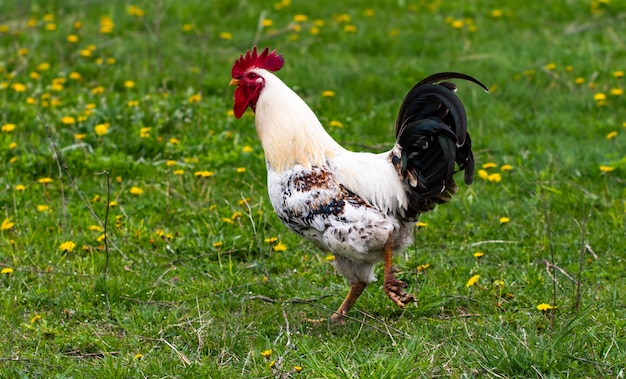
(267, 60)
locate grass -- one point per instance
(197, 277)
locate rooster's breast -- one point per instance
(312, 203)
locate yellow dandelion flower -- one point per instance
(280, 247)
(6, 224)
(271, 239)
(8, 128)
(35, 318)
(227, 220)
(369, 12)
(236, 215)
(314, 30)
(241, 170)
(44, 180)
(504, 220)
(599, 96)
(457, 24)
(106, 25)
(31, 100)
(328, 93)
(110, 60)
(170, 162)
(137, 356)
(611, 135)
(133, 103)
(72, 38)
(22, 51)
(421, 224)
(68, 120)
(550, 66)
(423, 267)
(472, 281)
(135, 11)
(174, 141)
(80, 136)
(319, 23)
(101, 129)
(20, 188)
(618, 74)
(75, 75)
(495, 177)
(112, 203)
(95, 228)
(51, 26)
(490, 165)
(187, 27)
(267, 23)
(607, 168)
(349, 28)
(178, 172)
(247, 149)
(34, 75)
(18, 87)
(579, 80)
(6, 271)
(144, 132)
(479, 254)
(483, 174)
(43, 208)
(129, 84)
(496, 13)
(226, 36)
(329, 258)
(617, 91)
(135, 191)
(506, 167)
(97, 90)
(48, 17)
(195, 98)
(67, 246)
(230, 112)
(266, 353)
(344, 17)
(78, 24)
(13, 145)
(336, 124)
(300, 18)
(544, 307)
(203, 174)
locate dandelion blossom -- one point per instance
(44, 180)
(472, 281)
(7, 271)
(8, 128)
(504, 220)
(129, 84)
(6, 224)
(611, 135)
(544, 307)
(67, 246)
(479, 254)
(101, 129)
(280, 247)
(266, 353)
(607, 168)
(135, 191)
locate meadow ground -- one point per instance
(117, 119)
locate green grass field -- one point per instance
(117, 119)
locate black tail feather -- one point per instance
(431, 134)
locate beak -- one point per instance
(234, 82)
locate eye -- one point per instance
(252, 76)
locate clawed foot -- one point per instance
(395, 290)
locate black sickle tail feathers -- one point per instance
(431, 134)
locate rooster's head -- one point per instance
(247, 76)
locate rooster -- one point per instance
(360, 206)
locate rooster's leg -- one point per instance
(392, 286)
(356, 289)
